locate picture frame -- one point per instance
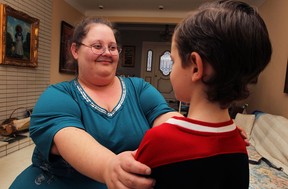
(19, 34)
(66, 63)
(128, 56)
(286, 80)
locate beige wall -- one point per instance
(268, 95)
(61, 11)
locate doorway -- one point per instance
(156, 66)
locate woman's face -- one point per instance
(97, 67)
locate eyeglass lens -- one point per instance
(100, 49)
(113, 50)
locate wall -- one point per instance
(268, 95)
(61, 11)
(134, 36)
(21, 86)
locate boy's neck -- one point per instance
(208, 112)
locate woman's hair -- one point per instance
(84, 25)
(231, 37)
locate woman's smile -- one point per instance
(105, 61)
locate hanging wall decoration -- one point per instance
(286, 80)
(19, 34)
(66, 64)
(128, 56)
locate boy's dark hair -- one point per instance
(231, 37)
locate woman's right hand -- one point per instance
(120, 171)
(125, 172)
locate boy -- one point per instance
(216, 52)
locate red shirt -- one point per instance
(180, 139)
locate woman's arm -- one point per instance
(92, 159)
(162, 118)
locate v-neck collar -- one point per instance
(94, 106)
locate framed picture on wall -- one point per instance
(286, 80)
(19, 34)
(66, 63)
(128, 56)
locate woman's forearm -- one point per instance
(82, 152)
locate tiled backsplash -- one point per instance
(10, 147)
(21, 86)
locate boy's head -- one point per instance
(231, 38)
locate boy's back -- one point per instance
(185, 153)
(216, 172)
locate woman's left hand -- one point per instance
(244, 135)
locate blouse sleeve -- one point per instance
(152, 102)
(54, 110)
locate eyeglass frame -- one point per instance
(119, 49)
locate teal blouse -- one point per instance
(66, 104)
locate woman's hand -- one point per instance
(125, 172)
(244, 135)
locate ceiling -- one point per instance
(141, 8)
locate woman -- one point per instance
(86, 130)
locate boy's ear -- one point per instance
(197, 66)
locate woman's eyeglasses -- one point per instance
(100, 49)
